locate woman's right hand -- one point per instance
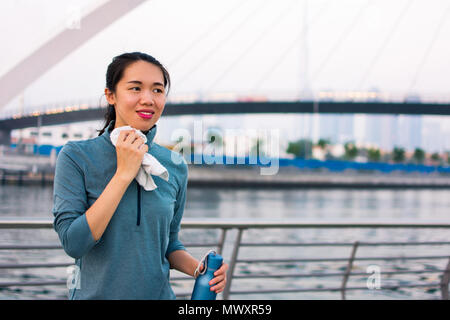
(130, 150)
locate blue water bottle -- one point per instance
(202, 291)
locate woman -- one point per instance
(123, 237)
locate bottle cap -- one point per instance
(215, 260)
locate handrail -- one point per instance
(253, 224)
(242, 226)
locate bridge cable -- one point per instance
(383, 45)
(210, 52)
(436, 34)
(207, 32)
(278, 19)
(340, 40)
(285, 53)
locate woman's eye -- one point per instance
(135, 89)
(158, 90)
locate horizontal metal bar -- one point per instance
(321, 275)
(183, 294)
(181, 278)
(433, 284)
(228, 224)
(425, 243)
(47, 247)
(35, 265)
(199, 245)
(291, 244)
(30, 247)
(317, 244)
(293, 275)
(337, 259)
(338, 244)
(33, 283)
(37, 283)
(64, 282)
(399, 272)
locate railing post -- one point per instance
(349, 269)
(444, 281)
(237, 244)
(221, 241)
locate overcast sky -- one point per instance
(244, 46)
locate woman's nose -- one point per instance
(147, 97)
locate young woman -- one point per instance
(124, 238)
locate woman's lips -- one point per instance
(145, 115)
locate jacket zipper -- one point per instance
(138, 222)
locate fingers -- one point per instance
(143, 147)
(124, 134)
(130, 137)
(220, 279)
(217, 279)
(222, 270)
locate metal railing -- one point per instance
(241, 226)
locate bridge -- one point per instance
(78, 113)
(68, 40)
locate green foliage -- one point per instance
(351, 151)
(323, 143)
(301, 148)
(398, 154)
(419, 155)
(374, 154)
(435, 156)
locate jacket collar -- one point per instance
(150, 134)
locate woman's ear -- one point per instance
(109, 96)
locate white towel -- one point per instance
(150, 165)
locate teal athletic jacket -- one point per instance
(129, 261)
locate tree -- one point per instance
(436, 157)
(351, 151)
(374, 154)
(419, 155)
(398, 154)
(301, 148)
(323, 143)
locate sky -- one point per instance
(243, 47)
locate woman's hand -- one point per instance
(130, 150)
(220, 279)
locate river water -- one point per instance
(264, 204)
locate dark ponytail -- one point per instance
(115, 72)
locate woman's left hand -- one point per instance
(220, 279)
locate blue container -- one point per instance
(201, 288)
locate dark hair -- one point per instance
(115, 72)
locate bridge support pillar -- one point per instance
(5, 137)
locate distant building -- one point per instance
(29, 139)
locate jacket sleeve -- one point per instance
(70, 204)
(174, 242)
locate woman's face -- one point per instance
(140, 96)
